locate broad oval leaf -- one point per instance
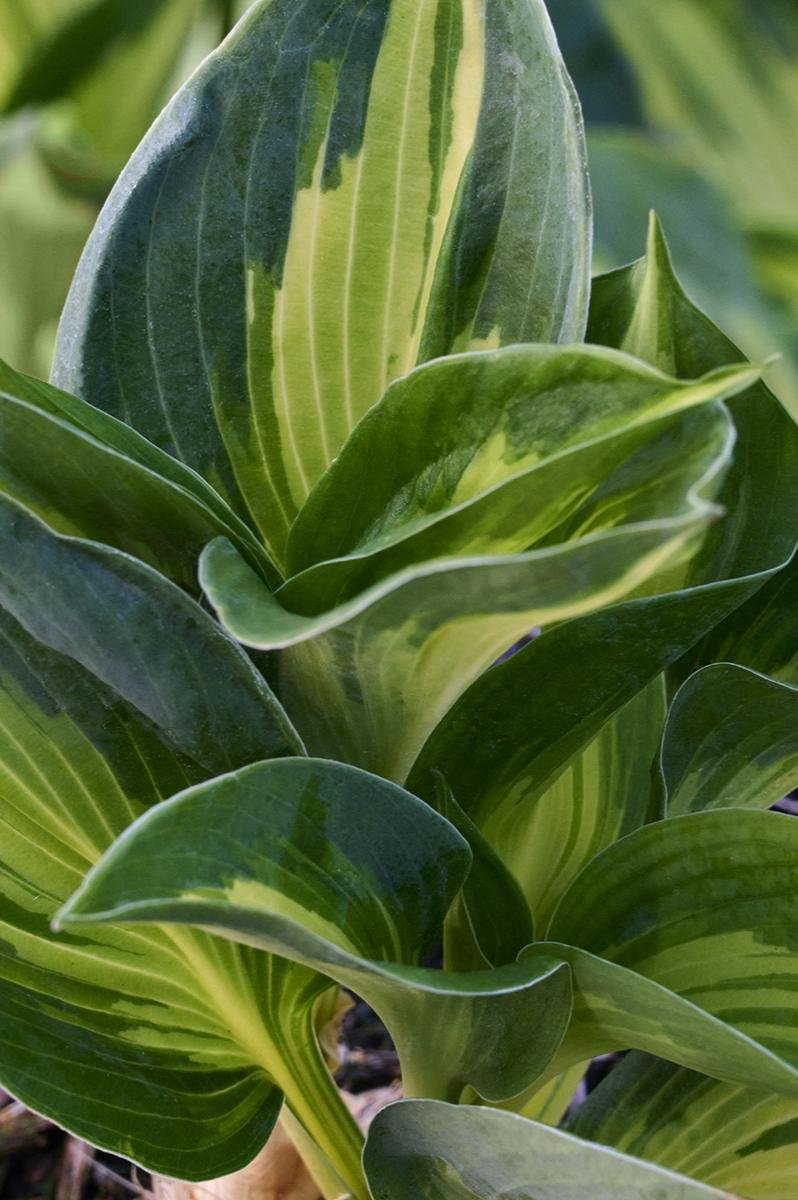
(731, 741)
(338, 193)
(110, 485)
(684, 945)
(349, 875)
(143, 637)
(422, 1148)
(110, 702)
(728, 1136)
(447, 618)
(483, 453)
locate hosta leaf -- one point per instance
(490, 921)
(110, 485)
(402, 179)
(144, 638)
(444, 623)
(643, 309)
(520, 745)
(633, 172)
(545, 789)
(452, 617)
(731, 1137)
(684, 945)
(110, 701)
(731, 741)
(762, 634)
(348, 875)
(482, 453)
(550, 1103)
(423, 1148)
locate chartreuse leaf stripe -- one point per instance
(454, 616)
(111, 484)
(442, 1152)
(481, 453)
(143, 637)
(729, 1136)
(731, 741)
(403, 177)
(109, 703)
(349, 875)
(643, 309)
(683, 941)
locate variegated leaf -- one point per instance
(682, 941)
(731, 741)
(160, 1048)
(728, 1136)
(350, 876)
(340, 192)
(111, 485)
(421, 1148)
(370, 672)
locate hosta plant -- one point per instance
(335, 423)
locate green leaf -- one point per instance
(641, 306)
(151, 1045)
(142, 637)
(110, 485)
(490, 922)
(447, 619)
(684, 945)
(731, 741)
(643, 309)
(727, 1136)
(484, 453)
(370, 186)
(423, 1148)
(634, 172)
(761, 634)
(550, 1103)
(351, 876)
(549, 762)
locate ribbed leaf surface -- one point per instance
(340, 192)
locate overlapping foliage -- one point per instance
(336, 420)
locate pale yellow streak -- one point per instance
(466, 104)
(400, 162)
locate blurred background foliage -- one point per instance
(691, 105)
(692, 109)
(80, 83)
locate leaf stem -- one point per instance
(313, 1099)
